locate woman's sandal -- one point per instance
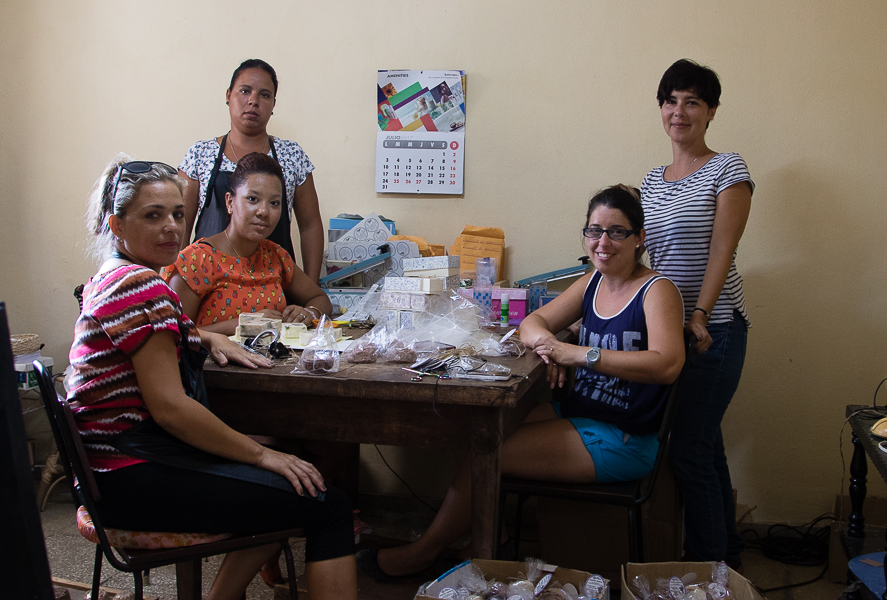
(272, 575)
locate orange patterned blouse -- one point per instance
(228, 285)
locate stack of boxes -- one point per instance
(406, 296)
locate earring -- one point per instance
(272, 112)
(638, 246)
(226, 102)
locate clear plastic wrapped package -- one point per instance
(321, 355)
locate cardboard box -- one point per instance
(348, 223)
(432, 273)
(27, 376)
(420, 284)
(399, 319)
(875, 512)
(502, 570)
(517, 302)
(739, 585)
(431, 262)
(565, 528)
(479, 242)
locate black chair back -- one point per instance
(665, 428)
(72, 454)
(24, 567)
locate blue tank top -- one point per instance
(636, 408)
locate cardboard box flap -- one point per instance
(479, 242)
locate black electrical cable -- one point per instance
(805, 545)
(416, 496)
(875, 400)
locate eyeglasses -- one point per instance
(136, 166)
(618, 233)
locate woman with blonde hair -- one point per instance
(131, 340)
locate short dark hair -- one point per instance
(253, 163)
(624, 198)
(686, 74)
(254, 63)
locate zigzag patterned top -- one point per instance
(122, 308)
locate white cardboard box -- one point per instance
(505, 571)
(27, 376)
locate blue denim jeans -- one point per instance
(697, 454)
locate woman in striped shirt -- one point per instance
(126, 389)
(696, 209)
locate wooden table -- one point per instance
(855, 541)
(379, 404)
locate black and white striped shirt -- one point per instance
(679, 217)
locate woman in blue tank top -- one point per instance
(630, 349)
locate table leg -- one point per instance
(485, 473)
(857, 490)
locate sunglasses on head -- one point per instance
(136, 166)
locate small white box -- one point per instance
(27, 376)
(430, 262)
(428, 285)
(432, 273)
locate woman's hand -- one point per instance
(696, 329)
(222, 350)
(300, 314)
(301, 474)
(554, 354)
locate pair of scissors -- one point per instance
(420, 374)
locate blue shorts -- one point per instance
(617, 456)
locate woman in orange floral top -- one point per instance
(238, 270)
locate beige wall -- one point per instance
(561, 101)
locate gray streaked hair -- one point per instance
(102, 205)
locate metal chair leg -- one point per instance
(97, 572)
(518, 522)
(139, 591)
(293, 581)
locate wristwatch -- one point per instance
(592, 358)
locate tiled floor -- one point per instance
(71, 558)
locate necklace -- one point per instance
(688, 168)
(234, 152)
(236, 253)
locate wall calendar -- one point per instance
(420, 144)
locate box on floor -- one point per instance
(505, 571)
(739, 586)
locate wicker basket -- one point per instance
(25, 343)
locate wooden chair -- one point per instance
(86, 494)
(630, 494)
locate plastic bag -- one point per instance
(321, 355)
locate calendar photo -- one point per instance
(420, 139)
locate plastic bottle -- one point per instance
(505, 302)
(485, 275)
